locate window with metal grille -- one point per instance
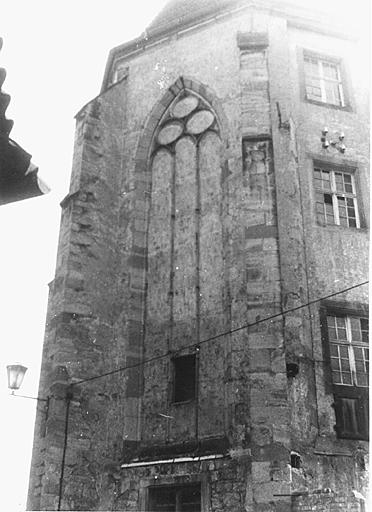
(349, 353)
(323, 81)
(184, 378)
(335, 197)
(171, 498)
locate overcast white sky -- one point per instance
(55, 54)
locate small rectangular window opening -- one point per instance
(184, 378)
(170, 498)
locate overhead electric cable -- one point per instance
(231, 331)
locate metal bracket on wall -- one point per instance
(282, 124)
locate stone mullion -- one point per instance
(172, 260)
(197, 242)
(171, 282)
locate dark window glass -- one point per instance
(184, 378)
(175, 498)
(351, 417)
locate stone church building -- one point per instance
(206, 345)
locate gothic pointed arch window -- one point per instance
(185, 224)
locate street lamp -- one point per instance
(16, 373)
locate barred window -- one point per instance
(348, 339)
(335, 197)
(323, 81)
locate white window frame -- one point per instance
(350, 344)
(335, 194)
(323, 79)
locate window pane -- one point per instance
(344, 351)
(335, 364)
(334, 350)
(190, 499)
(345, 366)
(356, 336)
(332, 333)
(364, 324)
(352, 223)
(348, 188)
(339, 182)
(360, 367)
(184, 378)
(349, 419)
(314, 92)
(341, 334)
(331, 320)
(175, 498)
(330, 70)
(358, 353)
(163, 499)
(340, 321)
(362, 379)
(347, 178)
(355, 323)
(328, 199)
(332, 92)
(311, 67)
(346, 378)
(342, 213)
(336, 377)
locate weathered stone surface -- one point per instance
(190, 215)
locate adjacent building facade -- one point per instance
(207, 335)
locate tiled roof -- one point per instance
(184, 12)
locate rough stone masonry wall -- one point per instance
(98, 299)
(255, 417)
(94, 312)
(224, 484)
(316, 261)
(80, 336)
